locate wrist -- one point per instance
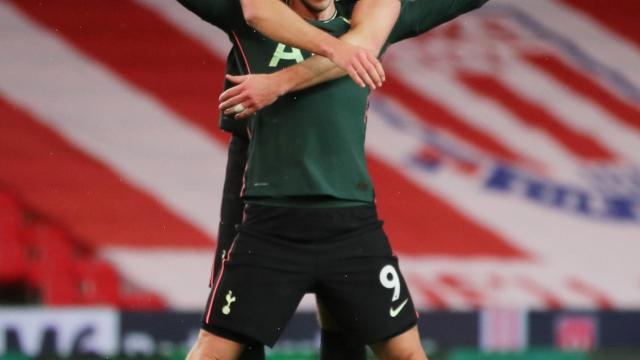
(330, 47)
(285, 80)
(363, 40)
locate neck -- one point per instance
(310, 13)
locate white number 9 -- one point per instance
(389, 279)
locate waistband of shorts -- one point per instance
(307, 202)
(359, 208)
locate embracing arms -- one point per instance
(371, 23)
(416, 17)
(277, 21)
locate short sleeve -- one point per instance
(224, 14)
(419, 16)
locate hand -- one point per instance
(252, 93)
(361, 65)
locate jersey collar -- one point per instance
(333, 17)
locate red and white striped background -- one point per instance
(505, 146)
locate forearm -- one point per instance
(276, 20)
(372, 22)
(313, 71)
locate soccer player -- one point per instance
(275, 19)
(310, 223)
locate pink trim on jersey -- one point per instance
(244, 57)
(244, 174)
(246, 63)
(218, 281)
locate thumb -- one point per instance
(236, 79)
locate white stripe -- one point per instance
(578, 113)
(210, 36)
(596, 40)
(176, 274)
(487, 116)
(480, 274)
(150, 146)
(452, 297)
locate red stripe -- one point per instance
(620, 16)
(420, 223)
(597, 296)
(586, 86)
(472, 297)
(436, 115)
(140, 46)
(581, 145)
(97, 207)
(163, 61)
(430, 294)
(548, 298)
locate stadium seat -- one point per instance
(13, 265)
(41, 257)
(50, 258)
(98, 282)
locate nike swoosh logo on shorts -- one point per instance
(394, 312)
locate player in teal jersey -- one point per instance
(314, 172)
(364, 69)
(372, 21)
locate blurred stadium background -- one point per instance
(505, 148)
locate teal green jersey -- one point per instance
(310, 144)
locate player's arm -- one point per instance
(372, 29)
(371, 23)
(224, 14)
(277, 21)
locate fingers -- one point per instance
(227, 106)
(252, 93)
(364, 75)
(371, 70)
(378, 66)
(229, 93)
(236, 79)
(355, 77)
(245, 113)
(230, 108)
(366, 70)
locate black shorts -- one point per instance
(340, 254)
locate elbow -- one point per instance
(251, 11)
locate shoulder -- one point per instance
(225, 14)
